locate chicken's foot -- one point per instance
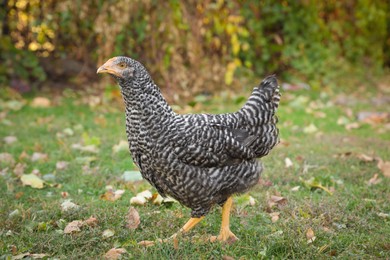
(225, 235)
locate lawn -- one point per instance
(321, 195)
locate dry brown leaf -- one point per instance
(92, 221)
(132, 218)
(274, 216)
(34, 256)
(365, 158)
(374, 180)
(276, 200)
(157, 199)
(384, 167)
(39, 157)
(112, 195)
(10, 139)
(114, 253)
(351, 126)
(62, 165)
(40, 102)
(226, 257)
(73, 227)
(310, 236)
(64, 194)
(7, 158)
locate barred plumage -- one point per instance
(198, 159)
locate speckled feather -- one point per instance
(198, 159)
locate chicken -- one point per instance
(198, 159)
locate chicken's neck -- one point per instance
(146, 108)
(144, 97)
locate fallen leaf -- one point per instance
(19, 169)
(108, 233)
(288, 163)
(64, 194)
(274, 216)
(132, 218)
(373, 118)
(112, 195)
(73, 227)
(24, 156)
(383, 215)
(146, 194)
(92, 222)
(87, 148)
(296, 188)
(138, 201)
(365, 158)
(32, 180)
(226, 257)
(7, 159)
(62, 165)
(25, 255)
(68, 205)
(114, 253)
(157, 199)
(39, 157)
(40, 102)
(310, 129)
(121, 146)
(14, 105)
(374, 180)
(276, 200)
(310, 236)
(313, 183)
(351, 126)
(384, 167)
(10, 139)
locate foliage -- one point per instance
(194, 46)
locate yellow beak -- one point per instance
(110, 68)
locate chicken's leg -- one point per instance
(187, 227)
(225, 235)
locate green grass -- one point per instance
(347, 224)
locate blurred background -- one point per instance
(191, 47)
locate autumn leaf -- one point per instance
(10, 139)
(40, 102)
(276, 200)
(288, 163)
(374, 180)
(310, 236)
(73, 227)
(7, 159)
(68, 205)
(108, 233)
(274, 216)
(132, 218)
(32, 180)
(91, 221)
(39, 157)
(384, 167)
(62, 165)
(114, 253)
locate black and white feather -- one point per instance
(198, 159)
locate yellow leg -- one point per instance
(187, 227)
(225, 234)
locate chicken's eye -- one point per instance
(122, 65)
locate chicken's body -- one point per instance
(198, 159)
